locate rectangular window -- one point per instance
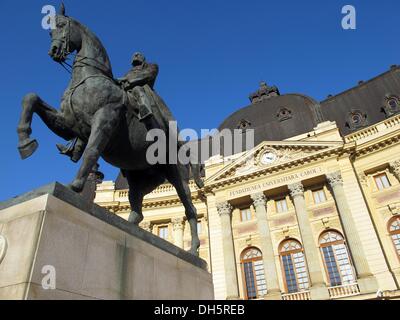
(245, 214)
(382, 181)
(319, 196)
(163, 232)
(281, 205)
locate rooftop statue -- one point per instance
(109, 118)
(264, 92)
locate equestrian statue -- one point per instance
(105, 117)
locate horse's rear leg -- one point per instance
(176, 178)
(140, 184)
(104, 123)
(51, 117)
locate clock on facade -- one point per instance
(268, 157)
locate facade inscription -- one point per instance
(294, 177)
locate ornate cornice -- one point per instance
(377, 144)
(259, 199)
(296, 189)
(224, 208)
(334, 179)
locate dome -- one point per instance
(276, 117)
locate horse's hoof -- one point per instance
(135, 218)
(75, 188)
(194, 252)
(27, 147)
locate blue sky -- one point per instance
(211, 54)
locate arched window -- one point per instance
(253, 273)
(394, 231)
(336, 258)
(294, 266)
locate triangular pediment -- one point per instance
(269, 154)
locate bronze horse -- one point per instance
(95, 108)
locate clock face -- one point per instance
(268, 158)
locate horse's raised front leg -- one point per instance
(53, 119)
(104, 123)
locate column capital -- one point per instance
(296, 189)
(259, 199)
(146, 225)
(334, 179)
(224, 208)
(177, 223)
(395, 168)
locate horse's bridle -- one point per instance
(65, 39)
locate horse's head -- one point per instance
(65, 39)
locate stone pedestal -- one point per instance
(54, 245)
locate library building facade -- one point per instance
(312, 212)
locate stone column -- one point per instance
(178, 225)
(231, 280)
(366, 280)
(318, 289)
(395, 168)
(271, 275)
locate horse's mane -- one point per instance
(96, 43)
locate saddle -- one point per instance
(158, 106)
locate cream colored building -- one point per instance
(315, 215)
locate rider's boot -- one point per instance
(74, 149)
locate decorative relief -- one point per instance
(3, 247)
(390, 196)
(296, 189)
(259, 199)
(250, 228)
(363, 179)
(268, 156)
(249, 241)
(323, 211)
(224, 208)
(395, 168)
(285, 233)
(177, 223)
(327, 223)
(334, 179)
(394, 208)
(284, 221)
(146, 225)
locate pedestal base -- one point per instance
(54, 245)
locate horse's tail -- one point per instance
(196, 172)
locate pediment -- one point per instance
(271, 154)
